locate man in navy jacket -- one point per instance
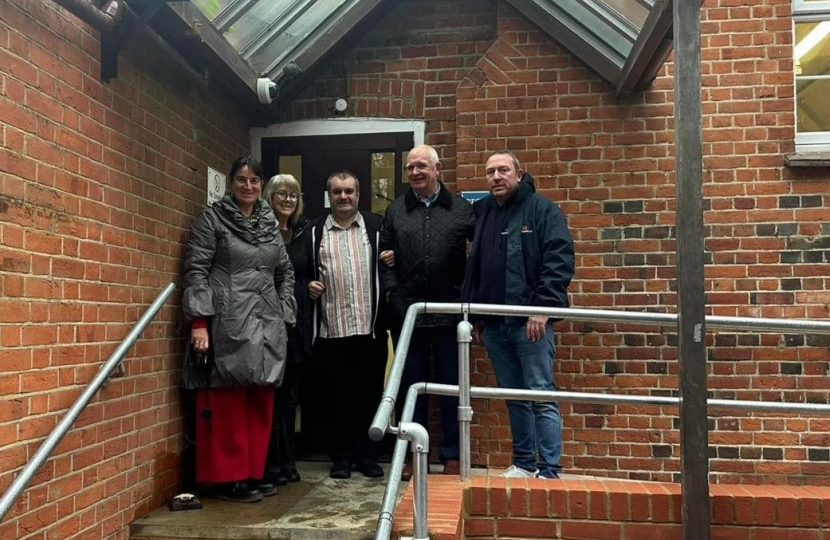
(522, 254)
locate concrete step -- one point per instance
(317, 508)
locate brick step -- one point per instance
(602, 509)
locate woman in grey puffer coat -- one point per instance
(238, 336)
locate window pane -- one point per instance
(404, 177)
(813, 106)
(383, 181)
(812, 70)
(292, 165)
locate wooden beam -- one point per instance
(691, 297)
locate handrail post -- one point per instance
(384, 528)
(25, 475)
(465, 411)
(419, 440)
(393, 381)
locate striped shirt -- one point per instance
(346, 272)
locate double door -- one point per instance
(377, 159)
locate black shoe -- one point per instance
(264, 486)
(239, 492)
(341, 470)
(276, 477)
(291, 475)
(369, 468)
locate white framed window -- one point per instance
(811, 63)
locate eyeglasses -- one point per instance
(282, 194)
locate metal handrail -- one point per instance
(381, 423)
(25, 475)
(384, 527)
(387, 404)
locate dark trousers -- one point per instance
(233, 426)
(430, 346)
(352, 370)
(282, 449)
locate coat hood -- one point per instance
(231, 217)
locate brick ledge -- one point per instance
(494, 507)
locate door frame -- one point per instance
(336, 126)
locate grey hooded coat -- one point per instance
(229, 278)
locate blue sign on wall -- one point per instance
(473, 196)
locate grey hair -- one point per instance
(285, 180)
(433, 154)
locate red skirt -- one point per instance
(233, 428)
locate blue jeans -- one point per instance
(521, 363)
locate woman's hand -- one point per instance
(199, 339)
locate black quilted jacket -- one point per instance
(430, 247)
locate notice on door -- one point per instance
(215, 186)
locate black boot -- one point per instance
(239, 492)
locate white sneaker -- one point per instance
(518, 472)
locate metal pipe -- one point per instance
(387, 403)
(25, 475)
(484, 392)
(419, 439)
(805, 326)
(393, 380)
(390, 495)
(465, 411)
(384, 528)
(103, 19)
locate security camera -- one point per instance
(266, 90)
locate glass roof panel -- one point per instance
(269, 34)
(633, 12)
(212, 8)
(594, 26)
(258, 20)
(295, 34)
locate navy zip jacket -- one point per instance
(539, 250)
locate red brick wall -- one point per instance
(98, 184)
(609, 164)
(408, 66)
(493, 80)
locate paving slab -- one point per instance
(317, 508)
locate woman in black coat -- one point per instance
(283, 194)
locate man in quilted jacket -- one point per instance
(428, 228)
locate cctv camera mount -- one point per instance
(266, 90)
